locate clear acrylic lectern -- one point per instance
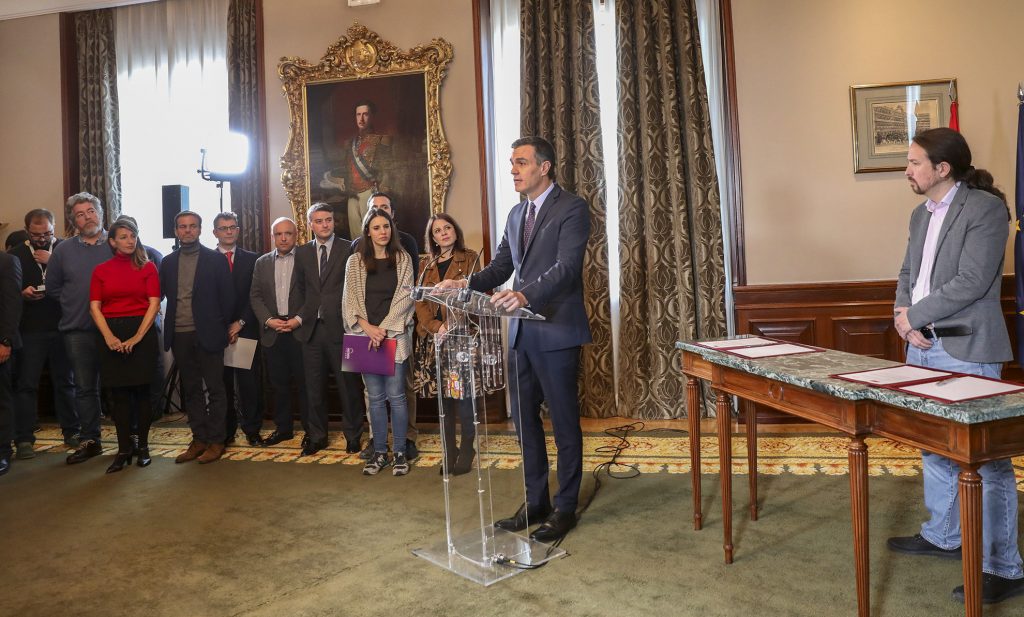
(471, 362)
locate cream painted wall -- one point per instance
(305, 29)
(31, 156)
(808, 217)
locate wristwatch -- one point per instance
(241, 322)
(6, 342)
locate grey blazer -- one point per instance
(263, 296)
(966, 277)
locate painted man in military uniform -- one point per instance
(365, 161)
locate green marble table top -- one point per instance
(813, 370)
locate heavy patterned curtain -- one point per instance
(98, 132)
(670, 241)
(244, 117)
(173, 86)
(560, 103)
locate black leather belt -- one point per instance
(934, 333)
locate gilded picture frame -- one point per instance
(885, 118)
(367, 117)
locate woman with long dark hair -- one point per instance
(124, 298)
(448, 259)
(376, 302)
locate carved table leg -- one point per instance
(970, 532)
(724, 421)
(858, 459)
(693, 414)
(752, 457)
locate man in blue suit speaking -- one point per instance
(542, 251)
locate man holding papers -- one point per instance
(248, 405)
(947, 309)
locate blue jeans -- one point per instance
(84, 353)
(381, 390)
(1000, 554)
(38, 349)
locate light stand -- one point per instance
(230, 157)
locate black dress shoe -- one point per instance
(120, 460)
(916, 545)
(230, 439)
(523, 517)
(994, 589)
(85, 451)
(352, 446)
(143, 458)
(276, 437)
(5, 464)
(314, 446)
(254, 439)
(554, 527)
(304, 442)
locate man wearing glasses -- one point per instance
(41, 341)
(248, 405)
(68, 275)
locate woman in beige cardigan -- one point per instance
(376, 303)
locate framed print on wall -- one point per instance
(367, 118)
(886, 117)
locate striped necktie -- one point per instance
(531, 218)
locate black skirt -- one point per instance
(133, 369)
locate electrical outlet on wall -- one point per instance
(362, 2)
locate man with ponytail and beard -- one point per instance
(948, 311)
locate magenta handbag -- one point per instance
(358, 357)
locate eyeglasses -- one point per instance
(42, 236)
(228, 228)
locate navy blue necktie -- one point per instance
(531, 218)
(323, 261)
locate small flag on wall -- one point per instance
(954, 108)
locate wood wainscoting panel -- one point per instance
(797, 330)
(867, 336)
(848, 316)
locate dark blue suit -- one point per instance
(10, 316)
(545, 354)
(199, 355)
(249, 404)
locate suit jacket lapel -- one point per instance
(955, 208)
(542, 216)
(332, 258)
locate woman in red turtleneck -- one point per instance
(124, 299)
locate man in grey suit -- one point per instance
(948, 311)
(542, 251)
(276, 302)
(320, 264)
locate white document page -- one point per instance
(962, 388)
(240, 353)
(746, 342)
(768, 351)
(896, 374)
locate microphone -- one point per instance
(465, 293)
(417, 293)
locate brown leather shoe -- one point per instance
(194, 450)
(214, 452)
